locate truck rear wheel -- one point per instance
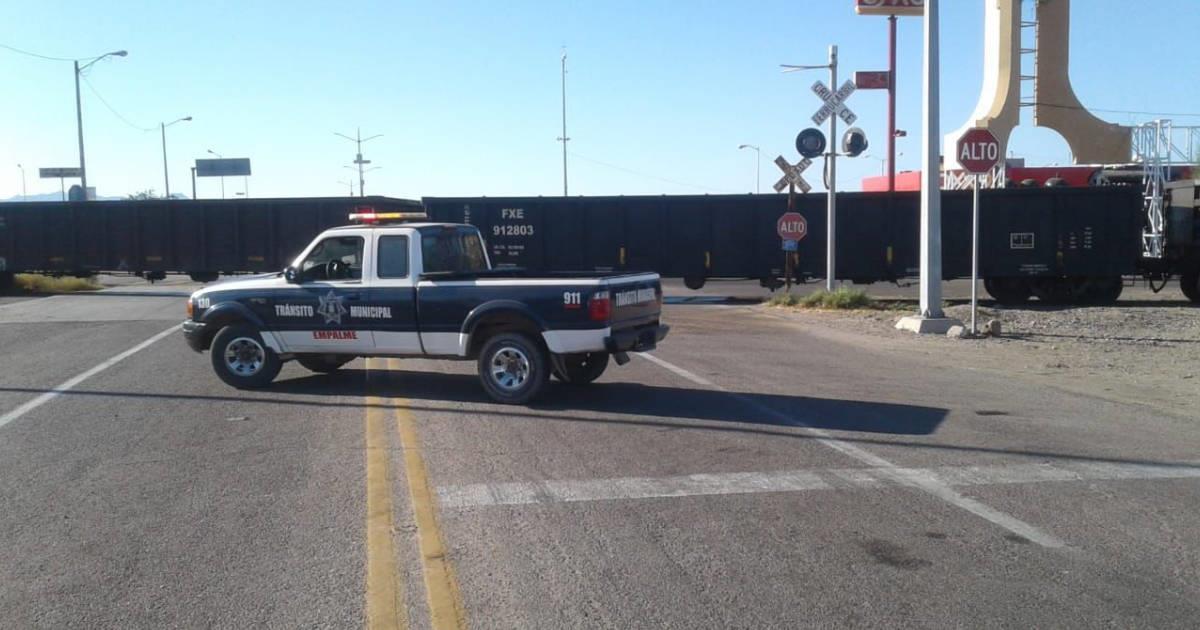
(322, 364)
(241, 359)
(513, 368)
(581, 368)
(1189, 283)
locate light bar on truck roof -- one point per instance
(368, 215)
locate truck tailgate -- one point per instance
(636, 300)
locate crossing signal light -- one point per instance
(811, 143)
(854, 142)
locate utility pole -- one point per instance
(166, 179)
(79, 115)
(79, 128)
(831, 193)
(891, 148)
(358, 140)
(193, 183)
(24, 197)
(564, 138)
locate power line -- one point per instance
(33, 54)
(646, 175)
(1112, 111)
(113, 110)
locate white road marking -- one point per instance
(70, 383)
(627, 488)
(913, 478)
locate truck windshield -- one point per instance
(452, 249)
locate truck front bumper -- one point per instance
(193, 333)
(636, 339)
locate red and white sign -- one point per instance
(890, 7)
(978, 151)
(873, 80)
(792, 226)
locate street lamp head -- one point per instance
(747, 146)
(188, 119)
(119, 53)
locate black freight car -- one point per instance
(1058, 244)
(202, 238)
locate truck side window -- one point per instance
(456, 250)
(393, 257)
(335, 258)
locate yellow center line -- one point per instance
(385, 590)
(441, 589)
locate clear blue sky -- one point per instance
(660, 94)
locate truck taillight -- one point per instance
(600, 307)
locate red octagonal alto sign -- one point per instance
(978, 150)
(792, 226)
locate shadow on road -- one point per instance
(635, 399)
(670, 408)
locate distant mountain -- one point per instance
(58, 197)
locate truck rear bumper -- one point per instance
(193, 333)
(636, 339)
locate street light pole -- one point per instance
(79, 114)
(221, 157)
(358, 140)
(931, 193)
(193, 183)
(757, 165)
(24, 197)
(563, 138)
(166, 178)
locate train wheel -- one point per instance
(1007, 291)
(1102, 290)
(694, 283)
(1189, 283)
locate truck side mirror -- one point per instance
(291, 275)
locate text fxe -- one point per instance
(636, 296)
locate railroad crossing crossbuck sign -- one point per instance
(835, 103)
(791, 174)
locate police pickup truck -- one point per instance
(389, 286)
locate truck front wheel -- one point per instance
(513, 368)
(241, 359)
(581, 368)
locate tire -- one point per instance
(322, 364)
(1189, 283)
(694, 283)
(513, 368)
(1102, 290)
(241, 359)
(582, 368)
(1007, 291)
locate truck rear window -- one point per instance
(457, 250)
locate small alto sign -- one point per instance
(978, 151)
(792, 226)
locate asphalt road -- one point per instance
(748, 474)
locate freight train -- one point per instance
(1056, 244)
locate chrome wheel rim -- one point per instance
(244, 356)
(509, 368)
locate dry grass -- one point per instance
(34, 283)
(840, 299)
